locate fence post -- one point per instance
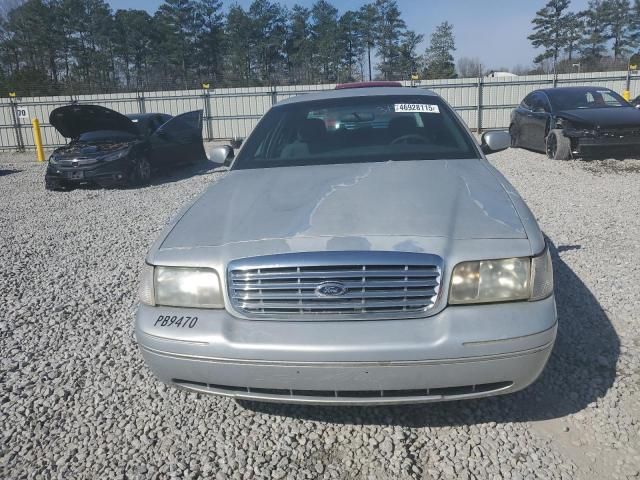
(16, 124)
(274, 95)
(141, 105)
(479, 108)
(207, 113)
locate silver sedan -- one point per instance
(361, 250)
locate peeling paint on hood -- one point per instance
(457, 199)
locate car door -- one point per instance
(179, 140)
(521, 118)
(538, 120)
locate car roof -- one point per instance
(142, 116)
(572, 89)
(358, 92)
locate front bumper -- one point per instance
(115, 172)
(462, 352)
(606, 142)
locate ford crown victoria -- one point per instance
(361, 250)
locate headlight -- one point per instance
(504, 280)
(181, 287)
(53, 160)
(115, 155)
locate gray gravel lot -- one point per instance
(78, 402)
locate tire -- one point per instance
(514, 136)
(141, 173)
(558, 146)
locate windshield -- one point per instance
(356, 130)
(583, 99)
(106, 136)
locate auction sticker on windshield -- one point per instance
(416, 107)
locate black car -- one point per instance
(108, 148)
(569, 121)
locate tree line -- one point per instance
(82, 46)
(602, 37)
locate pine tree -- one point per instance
(268, 30)
(299, 47)
(635, 27)
(238, 35)
(390, 30)
(210, 42)
(368, 16)
(324, 33)
(550, 30)
(594, 41)
(617, 18)
(439, 57)
(409, 57)
(177, 30)
(574, 26)
(133, 44)
(350, 43)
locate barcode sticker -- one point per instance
(416, 107)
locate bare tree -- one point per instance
(469, 67)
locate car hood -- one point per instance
(604, 117)
(74, 120)
(437, 198)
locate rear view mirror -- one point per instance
(356, 117)
(495, 141)
(221, 155)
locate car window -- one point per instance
(538, 101)
(584, 99)
(526, 103)
(357, 129)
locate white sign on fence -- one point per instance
(22, 112)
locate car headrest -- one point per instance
(312, 130)
(402, 125)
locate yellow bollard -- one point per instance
(626, 95)
(37, 138)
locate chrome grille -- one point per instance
(361, 285)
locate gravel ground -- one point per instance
(78, 402)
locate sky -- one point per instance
(495, 31)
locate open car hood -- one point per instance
(74, 120)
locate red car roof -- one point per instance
(342, 86)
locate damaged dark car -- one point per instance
(576, 121)
(107, 148)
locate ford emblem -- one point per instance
(331, 289)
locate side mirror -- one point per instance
(495, 141)
(539, 110)
(221, 155)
